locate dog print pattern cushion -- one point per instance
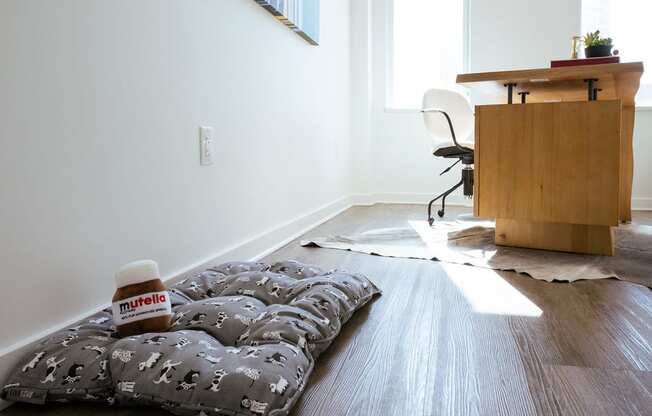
(243, 341)
(71, 365)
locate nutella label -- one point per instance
(137, 308)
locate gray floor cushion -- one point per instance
(243, 342)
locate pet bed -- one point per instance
(243, 341)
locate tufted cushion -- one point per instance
(226, 318)
(243, 341)
(71, 364)
(191, 371)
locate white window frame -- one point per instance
(389, 54)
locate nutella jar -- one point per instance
(141, 304)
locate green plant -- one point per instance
(594, 39)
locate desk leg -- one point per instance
(626, 163)
(574, 238)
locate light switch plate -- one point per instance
(206, 146)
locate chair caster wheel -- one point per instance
(440, 213)
(431, 221)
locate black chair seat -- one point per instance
(452, 152)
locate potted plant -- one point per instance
(596, 46)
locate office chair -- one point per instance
(448, 116)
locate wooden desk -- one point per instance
(556, 173)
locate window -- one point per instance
(628, 23)
(427, 48)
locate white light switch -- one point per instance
(206, 146)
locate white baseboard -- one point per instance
(638, 203)
(407, 198)
(252, 249)
(641, 204)
(270, 240)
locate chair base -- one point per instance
(466, 181)
(443, 196)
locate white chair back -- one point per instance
(458, 107)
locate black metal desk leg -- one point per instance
(595, 93)
(591, 93)
(510, 92)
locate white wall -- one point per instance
(99, 107)
(517, 34)
(642, 191)
(361, 93)
(503, 34)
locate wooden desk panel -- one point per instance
(549, 163)
(616, 81)
(626, 162)
(573, 238)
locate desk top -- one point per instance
(616, 81)
(552, 74)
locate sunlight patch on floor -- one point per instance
(489, 293)
(437, 238)
(485, 290)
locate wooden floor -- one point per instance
(456, 340)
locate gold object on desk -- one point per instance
(575, 47)
(556, 172)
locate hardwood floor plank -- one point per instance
(592, 391)
(367, 351)
(578, 329)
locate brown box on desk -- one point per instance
(585, 61)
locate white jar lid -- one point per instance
(137, 272)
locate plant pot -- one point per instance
(597, 51)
